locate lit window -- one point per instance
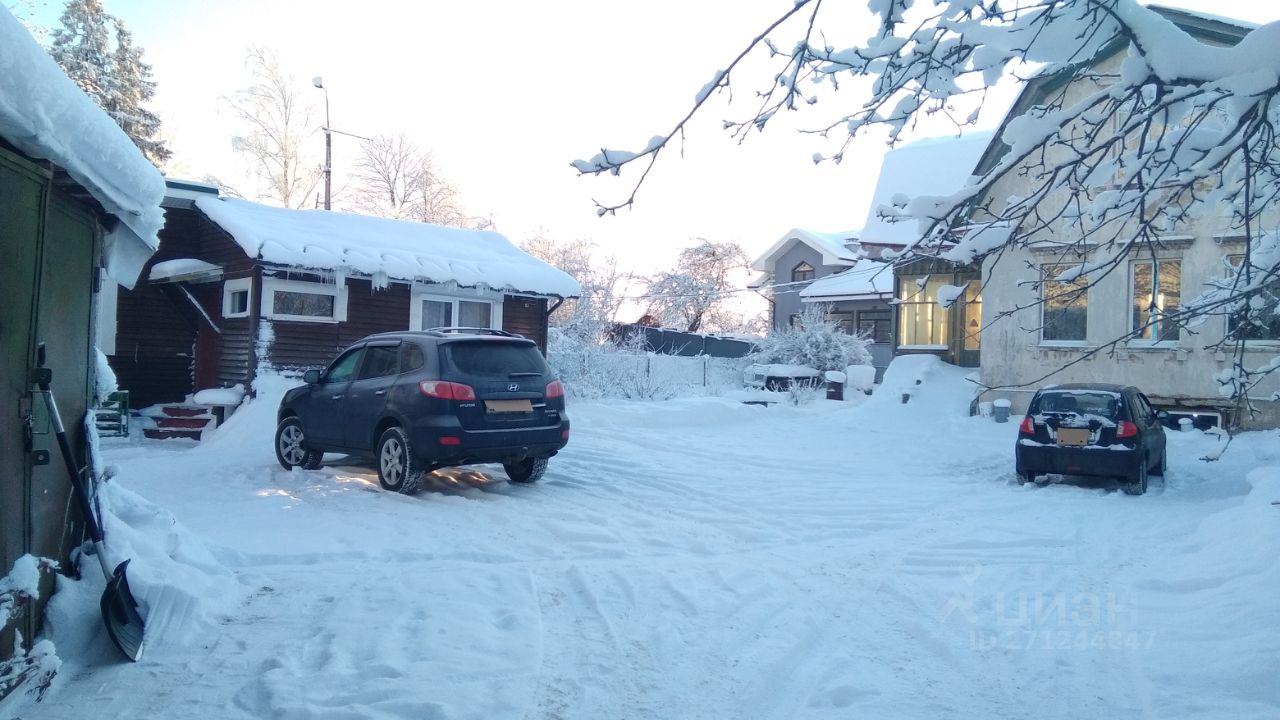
(1065, 306)
(1157, 292)
(972, 317)
(921, 321)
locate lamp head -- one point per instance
(318, 82)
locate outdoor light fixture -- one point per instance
(318, 82)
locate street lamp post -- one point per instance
(328, 143)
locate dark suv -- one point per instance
(1092, 429)
(417, 401)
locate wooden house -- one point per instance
(239, 288)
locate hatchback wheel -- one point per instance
(291, 446)
(1164, 462)
(1136, 485)
(397, 468)
(529, 470)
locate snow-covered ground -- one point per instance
(696, 558)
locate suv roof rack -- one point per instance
(472, 331)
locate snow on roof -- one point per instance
(44, 115)
(932, 166)
(374, 246)
(832, 246)
(182, 268)
(867, 279)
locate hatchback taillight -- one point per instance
(1028, 426)
(446, 390)
(555, 389)
(1126, 430)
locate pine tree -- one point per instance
(82, 48)
(133, 89)
(118, 80)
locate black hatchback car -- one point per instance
(418, 401)
(1092, 429)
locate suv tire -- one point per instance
(529, 470)
(1164, 460)
(291, 446)
(398, 469)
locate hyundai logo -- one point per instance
(513, 387)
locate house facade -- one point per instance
(79, 208)
(835, 270)
(238, 288)
(1104, 326)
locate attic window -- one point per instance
(802, 272)
(303, 301)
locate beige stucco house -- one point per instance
(1037, 331)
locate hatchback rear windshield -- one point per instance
(1081, 402)
(495, 360)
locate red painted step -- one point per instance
(166, 434)
(183, 422)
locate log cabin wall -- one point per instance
(526, 316)
(302, 345)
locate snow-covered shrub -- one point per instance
(815, 342)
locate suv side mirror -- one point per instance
(311, 377)
(1162, 415)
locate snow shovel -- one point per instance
(119, 609)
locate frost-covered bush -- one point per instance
(815, 342)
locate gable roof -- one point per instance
(1203, 26)
(832, 246)
(384, 249)
(869, 279)
(931, 166)
(44, 115)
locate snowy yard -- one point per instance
(697, 558)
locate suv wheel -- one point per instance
(291, 446)
(1136, 485)
(397, 468)
(529, 470)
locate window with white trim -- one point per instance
(235, 297)
(429, 310)
(299, 301)
(1156, 289)
(1258, 320)
(1064, 306)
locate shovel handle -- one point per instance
(77, 474)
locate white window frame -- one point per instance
(1133, 270)
(438, 294)
(1044, 306)
(270, 286)
(1268, 344)
(229, 289)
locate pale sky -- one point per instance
(506, 93)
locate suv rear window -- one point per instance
(494, 360)
(1081, 402)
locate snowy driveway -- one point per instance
(695, 559)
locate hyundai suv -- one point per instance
(418, 401)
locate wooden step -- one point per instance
(192, 423)
(170, 433)
(185, 410)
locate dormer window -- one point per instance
(802, 272)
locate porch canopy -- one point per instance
(867, 280)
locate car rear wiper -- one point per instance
(524, 374)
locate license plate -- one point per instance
(1073, 436)
(508, 406)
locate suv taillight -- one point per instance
(555, 389)
(446, 390)
(1028, 426)
(1126, 430)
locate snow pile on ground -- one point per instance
(702, 558)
